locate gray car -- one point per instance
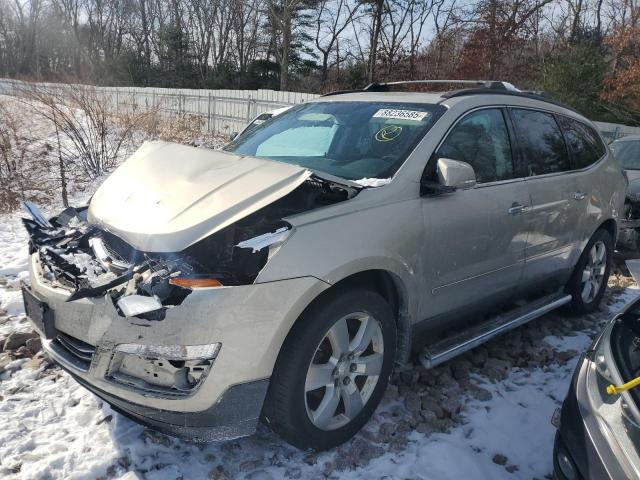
(599, 423)
(627, 152)
(283, 278)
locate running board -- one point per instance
(458, 343)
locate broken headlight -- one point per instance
(164, 370)
(236, 254)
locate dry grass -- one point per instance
(185, 129)
(52, 144)
(26, 169)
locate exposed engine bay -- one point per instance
(89, 261)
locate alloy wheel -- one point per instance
(594, 270)
(344, 371)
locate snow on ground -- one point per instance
(485, 415)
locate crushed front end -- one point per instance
(184, 342)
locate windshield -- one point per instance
(352, 140)
(627, 152)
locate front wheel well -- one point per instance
(389, 287)
(379, 281)
(611, 227)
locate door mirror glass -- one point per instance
(456, 174)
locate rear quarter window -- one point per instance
(541, 141)
(585, 143)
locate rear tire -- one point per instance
(332, 370)
(590, 275)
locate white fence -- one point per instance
(220, 111)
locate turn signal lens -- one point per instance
(195, 282)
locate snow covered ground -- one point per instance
(484, 415)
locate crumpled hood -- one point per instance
(167, 196)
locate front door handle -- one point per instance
(516, 209)
(579, 196)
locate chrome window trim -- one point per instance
(529, 177)
(566, 172)
(455, 123)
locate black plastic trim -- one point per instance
(511, 93)
(234, 415)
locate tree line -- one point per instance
(583, 52)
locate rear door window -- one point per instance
(541, 141)
(481, 139)
(584, 142)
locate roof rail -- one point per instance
(492, 84)
(385, 87)
(533, 95)
(470, 87)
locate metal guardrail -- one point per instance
(219, 111)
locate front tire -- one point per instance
(333, 370)
(591, 274)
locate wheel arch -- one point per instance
(394, 291)
(611, 226)
(390, 287)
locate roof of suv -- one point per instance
(482, 92)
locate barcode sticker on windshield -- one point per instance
(414, 115)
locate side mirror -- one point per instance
(455, 174)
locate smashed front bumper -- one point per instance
(249, 323)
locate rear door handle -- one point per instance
(579, 196)
(516, 209)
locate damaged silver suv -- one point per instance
(282, 278)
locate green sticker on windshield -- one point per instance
(388, 133)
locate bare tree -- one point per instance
(246, 24)
(396, 31)
(202, 17)
(282, 16)
(332, 18)
(377, 16)
(91, 137)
